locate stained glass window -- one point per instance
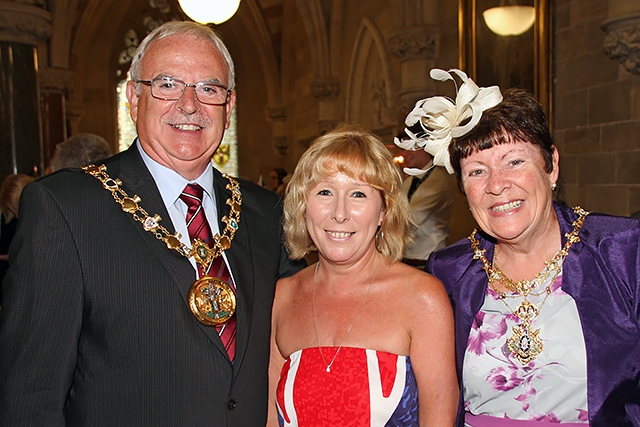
(126, 127)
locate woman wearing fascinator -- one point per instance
(359, 338)
(546, 297)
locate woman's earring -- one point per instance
(554, 186)
(379, 239)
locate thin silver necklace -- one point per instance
(313, 313)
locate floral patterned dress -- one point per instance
(552, 387)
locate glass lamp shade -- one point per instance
(509, 20)
(209, 11)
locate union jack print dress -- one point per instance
(363, 388)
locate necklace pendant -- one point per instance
(526, 311)
(212, 301)
(525, 344)
(202, 253)
(328, 369)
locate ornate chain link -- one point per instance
(524, 287)
(525, 343)
(200, 251)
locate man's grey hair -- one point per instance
(80, 150)
(181, 28)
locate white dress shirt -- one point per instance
(170, 184)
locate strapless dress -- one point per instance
(363, 388)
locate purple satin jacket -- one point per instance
(602, 274)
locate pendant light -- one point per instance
(509, 20)
(209, 11)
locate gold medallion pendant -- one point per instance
(212, 301)
(525, 344)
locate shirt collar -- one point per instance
(427, 169)
(170, 183)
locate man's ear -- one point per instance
(133, 98)
(229, 108)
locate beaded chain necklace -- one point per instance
(525, 343)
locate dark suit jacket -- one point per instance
(95, 327)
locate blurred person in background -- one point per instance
(276, 177)
(10, 191)
(430, 194)
(80, 150)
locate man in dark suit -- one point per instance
(102, 323)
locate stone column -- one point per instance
(55, 85)
(622, 42)
(326, 90)
(278, 115)
(22, 27)
(416, 48)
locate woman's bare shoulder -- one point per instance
(413, 276)
(287, 287)
(413, 284)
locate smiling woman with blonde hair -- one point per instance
(359, 338)
(357, 154)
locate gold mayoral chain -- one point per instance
(211, 299)
(525, 344)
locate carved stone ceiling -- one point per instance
(272, 12)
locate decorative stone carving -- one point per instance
(74, 110)
(405, 105)
(622, 42)
(325, 126)
(131, 42)
(408, 101)
(415, 42)
(325, 88)
(59, 80)
(380, 103)
(31, 2)
(281, 144)
(277, 112)
(306, 142)
(624, 46)
(162, 5)
(24, 23)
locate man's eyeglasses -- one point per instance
(169, 89)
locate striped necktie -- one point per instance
(198, 228)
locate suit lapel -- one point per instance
(136, 180)
(240, 261)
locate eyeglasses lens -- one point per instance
(171, 90)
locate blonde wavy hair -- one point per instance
(361, 156)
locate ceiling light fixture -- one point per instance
(509, 20)
(209, 11)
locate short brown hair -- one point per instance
(359, 155)
(518, 117)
